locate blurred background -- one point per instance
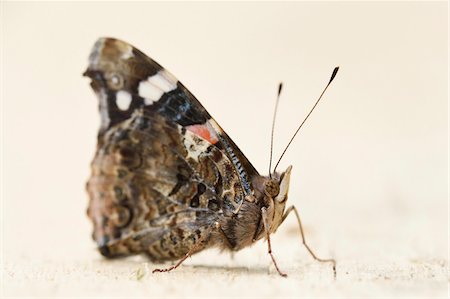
(370, 167)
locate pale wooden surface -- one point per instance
(214, 274)
(92, 279)
(372, 263)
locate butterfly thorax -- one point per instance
(246, 227)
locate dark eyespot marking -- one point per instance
(201, 188)
(213, 204)
(124, 216)
(181, 180)
(195, 201)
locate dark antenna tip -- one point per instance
(336, 69)
(280, 87)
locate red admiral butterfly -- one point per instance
(166, 179)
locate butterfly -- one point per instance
(166, 180)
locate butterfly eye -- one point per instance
(272, 188)
(115, 81)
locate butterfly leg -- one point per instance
(176, 265)
(332, 261)
(266, 228)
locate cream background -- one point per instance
(370, 174)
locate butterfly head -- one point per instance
(276, 189)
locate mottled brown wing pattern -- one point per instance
(164, 171)
(146, 187)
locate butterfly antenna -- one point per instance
(280, 86)
(336, 69)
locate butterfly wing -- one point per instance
(164, 169)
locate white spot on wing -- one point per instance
(163, 81)
(155, 86)
(194, 145)
(123, 100)
(149, 92)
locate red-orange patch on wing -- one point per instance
(204, 131)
